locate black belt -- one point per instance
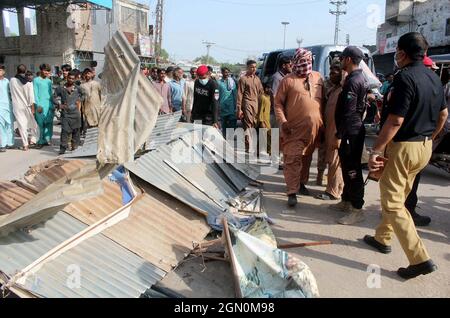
(417, 139)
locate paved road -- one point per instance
(340, 269)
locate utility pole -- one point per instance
(347, 41)
(208, 48)
(159, 28)
(285, 26)
(338, 12)
(299, 41)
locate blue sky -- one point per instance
(243, 28)
(250, 27)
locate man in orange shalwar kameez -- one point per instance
(298, 110)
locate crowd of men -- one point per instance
(311, 113)
(330, 115)
(33, 104)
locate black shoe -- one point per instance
(370, 240)
(2, 149)
(62, 151)
(420, 220)
(292, 200)
(416, 270)
(303, 190)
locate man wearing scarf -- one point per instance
(22, 95)
(298, 109)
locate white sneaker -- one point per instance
(355, 216)
(342, 206)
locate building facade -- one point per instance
(429, 17)
(70, 34)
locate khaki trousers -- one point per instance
(406, 160)
(335, 184)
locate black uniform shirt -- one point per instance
(206, 102)
(417, 96)
(351, 105)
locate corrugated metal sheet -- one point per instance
(89, 147)
(163, 131)
(131, 107)
(212, 138)
(158, 229)
(106, 270)
(81, 184)
(161, 134)
(21, 248)
(12, 196)
(153, 169)
(42, 175)
(94, 209)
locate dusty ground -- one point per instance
(340, 269)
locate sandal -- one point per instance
(326, 197)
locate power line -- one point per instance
(337, 13)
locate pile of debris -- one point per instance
(145, 192)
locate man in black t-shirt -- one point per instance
(416, 114)
(206, 99)
(68, 99)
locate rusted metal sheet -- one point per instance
(81, 184)
(12, 196)
(94, 209)
(158, 229)
(40, 176)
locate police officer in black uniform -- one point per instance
(351, 133)
(416, 113)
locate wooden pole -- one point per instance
(226, 232)
(287, 246)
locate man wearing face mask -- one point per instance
(350, 135)
(417, 113)
(206, 99)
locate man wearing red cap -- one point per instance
(298, 109)
(206, 99)
(250, 90)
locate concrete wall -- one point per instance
(430, 19)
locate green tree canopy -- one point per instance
(205, 60)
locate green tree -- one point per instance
(234, 68)
(164, 54)
(205, 60)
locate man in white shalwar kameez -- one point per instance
(22, 96)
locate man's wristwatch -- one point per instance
(373, 153)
